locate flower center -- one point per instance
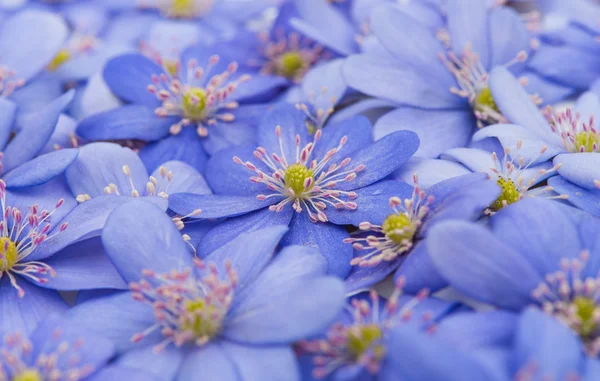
(509, 193)
(8, 254)
(399, 228)
(587, 141)
(198, 318)
(190, 305)
(362, 338)
(296, 176)
(576, 135)
(60, 59)
(290, 64)
(185, 9)
(586, 310)
(484, 101)
(194, 102)
(28, 375)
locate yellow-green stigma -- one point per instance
(295, 177)
(28, 375)
(399, 228)
(198, 319)
(587, 141)
(60, 59)
(194, 102)
(485, 102)
(8, 253)
(181, 8)
(510, 194)
(365, 337)
(585, 311)
(290, 64)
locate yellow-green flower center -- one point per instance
(295, 175)
(181, 8)
(8, 253)
(28, 375)
(399, 228)
(290, 64)
(194, 102)
(510, 193)
(199, 319)
(60, 59)
(587, 140)
(484, 101)
(585, 310)
(362, 338)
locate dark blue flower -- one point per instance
(314, 184)
(438, 81)
(535, 254)
(226, 317)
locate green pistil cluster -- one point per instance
(8, 254)
(290, 64)
(28, 375)
(194, 103)
(510, 194)
(365, 337)
(399, 228)
(585, 309)
(295, 175)
(587, 140)
(484, 101)
(196, 321)
(182, 8)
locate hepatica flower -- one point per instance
(361, 344)
(183, 111)
(570, 137)
(223, 316)
(311, 183)
(506, 268)
(443, 77)
(395, 238)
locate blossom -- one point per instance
(314, 184)
(228, 311)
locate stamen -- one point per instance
(307, 184)
(317, 116)
(576, 135)
(9, 82)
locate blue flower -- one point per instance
(365, 341)
(535, 254)
(226, 317)
(397, 240)
(183, 111)
(314, 184)
(569, 138)
(438, 81)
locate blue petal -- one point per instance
(96, 97)
(588, 104)
(111, 373)
(364, 277)
(214, 206)
(580, 168)
(588, 200)
(249, 253)
(8, 110)
(358, 131)
(84, 266)
(429, 171)
(468, 28)
(419, 271)
(551, 92)
(24, 314)
(138, 236)
(541, 230)
(117, 318)
(129, 75)
(186, 146)
(45, 34)
(223, 135)
(127, 122)
(41, 169)
(253, 221)
(475, 159)
(163, 366)
(101, 164)
(474, 330)
(63, 135)
(262, 363)
(325, 84)
(210, 362)
(508, 36)
(37, 94)
(480, 265)
(373, 204)
(33, 136)
(445, 129)
(328, 238)
(567, 65)
(553, 347)
(382, 158)
(292, 122)
(185, 178)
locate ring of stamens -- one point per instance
(576, 135)
(199, 99)
(308, 184)
(9, 81)
(395, 236)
